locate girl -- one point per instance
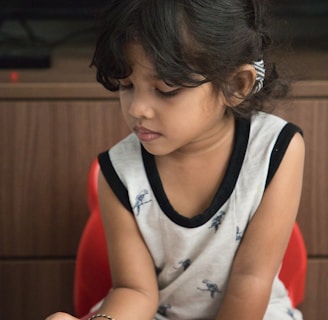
(199, 201)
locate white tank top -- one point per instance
(193, 256)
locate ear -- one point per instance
(241, 84)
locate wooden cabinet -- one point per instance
(311, 113)
(47, 148)
(53, 123)
(312, 116)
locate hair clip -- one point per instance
(260, 75)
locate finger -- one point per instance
(61, 316)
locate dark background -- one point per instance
(55, 22)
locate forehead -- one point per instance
(138, 59)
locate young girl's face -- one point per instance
(169, 119)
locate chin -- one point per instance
(156, 150)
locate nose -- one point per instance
(140, 106)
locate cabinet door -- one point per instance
(33, 289)
(46, 150)
(316, 290)
(312, 116)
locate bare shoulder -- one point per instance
(288, 180)
(296, 148)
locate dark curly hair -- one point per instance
(210, 38)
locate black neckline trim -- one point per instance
(113, 179)
(224, 191)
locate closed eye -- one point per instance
(168, 94)
(159, 92)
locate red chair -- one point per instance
(294, 266)
(92, 273)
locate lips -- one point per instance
(146, 135)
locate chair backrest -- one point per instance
(92, 275)
(294, 266)
(92, 272)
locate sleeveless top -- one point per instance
(193, 256)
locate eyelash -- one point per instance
(162, 94)
(167, 94)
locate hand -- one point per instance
(61, 316)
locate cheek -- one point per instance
(125, 101)
(124, 105)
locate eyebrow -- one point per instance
(154, 75)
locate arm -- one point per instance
(135, 292)
(261, 251)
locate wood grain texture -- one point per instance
(32, 290)
(47, 147)
(312, 116)
(315, 306)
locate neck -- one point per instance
(219, 144)
(216, 140)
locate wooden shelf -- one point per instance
(71, 77)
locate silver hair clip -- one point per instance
(260, 75)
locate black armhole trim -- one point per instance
(280, 147)
(113, 180)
